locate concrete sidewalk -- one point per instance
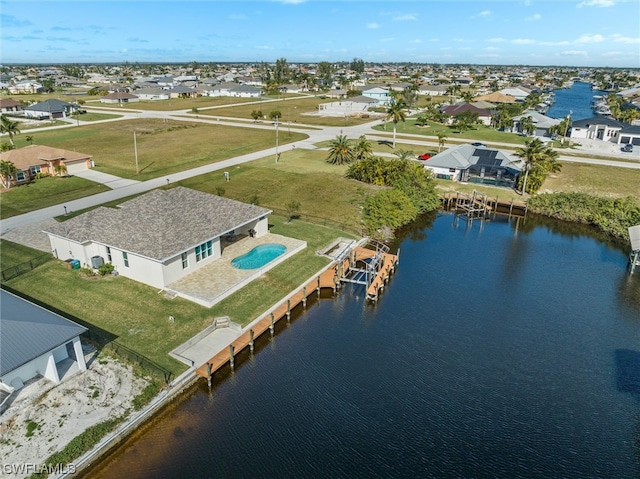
(112, 181)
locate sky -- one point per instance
(596, 33)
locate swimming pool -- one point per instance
(258, 256)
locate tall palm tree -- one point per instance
(340, 151)
(526, 125)
(405, 154)
(363, 148)
(537, 157)
(10, 127)
(396, 111)
(441, 139)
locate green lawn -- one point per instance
(479, 133)
(97, 116)
(180, 103)
(292, 110)
(12, 254)
(137, 316)
(300, 175)
(164, 147)
(45, 192)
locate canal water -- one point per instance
(502, 349)
(575, 101)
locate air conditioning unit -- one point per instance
(96, 262)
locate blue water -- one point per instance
(575, 100)
(258, 256)
(504, 350)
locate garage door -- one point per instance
(636, 141)
(76, 166)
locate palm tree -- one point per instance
(60, 169)
(526, 125)
(9, 127)
(405, 154)
(340, 151)
(29, 139)
(7, 170)
(396, 113)
(363, 148)
(441, 139)
(538, 158)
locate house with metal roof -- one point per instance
(475, 164)
(159, 237)
(35, 342)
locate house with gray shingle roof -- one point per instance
(34, 341)
(541, 122)
(50, 109)
(475, 164)
(159, 237)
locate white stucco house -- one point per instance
(34, 342)
(475, 164)
(378, 93)
(159, 237)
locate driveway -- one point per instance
(111, 181)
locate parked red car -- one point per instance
(425, 156)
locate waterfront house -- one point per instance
(541, 122)
(468, 163)
(35, 342)
(159, 237)
(597, 128)
(34, 159)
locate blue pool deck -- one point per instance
(214, 282)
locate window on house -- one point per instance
(204, 250)
(125, 258)
(34, 170)
(109, 255)
(185, 260)
(20, 176)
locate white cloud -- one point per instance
(590, 39)
(417, 40)
(484, 13)
(597, 3)
(523, 41)
(574, 53)
(620, 39)
(496, 40)
(405, 17)
(534, 17)
(388, 39)
(491, 49)
(373, 25)
(264, 47)
(292, 2)
(554, 44)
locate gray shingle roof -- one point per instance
(463, 156)
(160, 224)
(29, 331)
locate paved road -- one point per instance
(123, 188)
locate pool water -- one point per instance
(258, 256)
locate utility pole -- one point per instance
(135, 149)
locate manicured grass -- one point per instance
(178, 103)
(259, 295)
(45, 192)
(138, 316)
(598, 180)
(300, 175)
(292, 111)
(164, 147)
(479, 133)
(97, 116)
(12, 254)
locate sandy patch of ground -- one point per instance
(63, 411)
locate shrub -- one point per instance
(105, 269)
(388, 208)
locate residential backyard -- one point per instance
(137, 316)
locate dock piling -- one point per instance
(304, 297)
(251, 340)
(231, 356)
(272, 325)
(209, 375)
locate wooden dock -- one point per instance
(378, 264)
(326, 279)
(478, 205)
